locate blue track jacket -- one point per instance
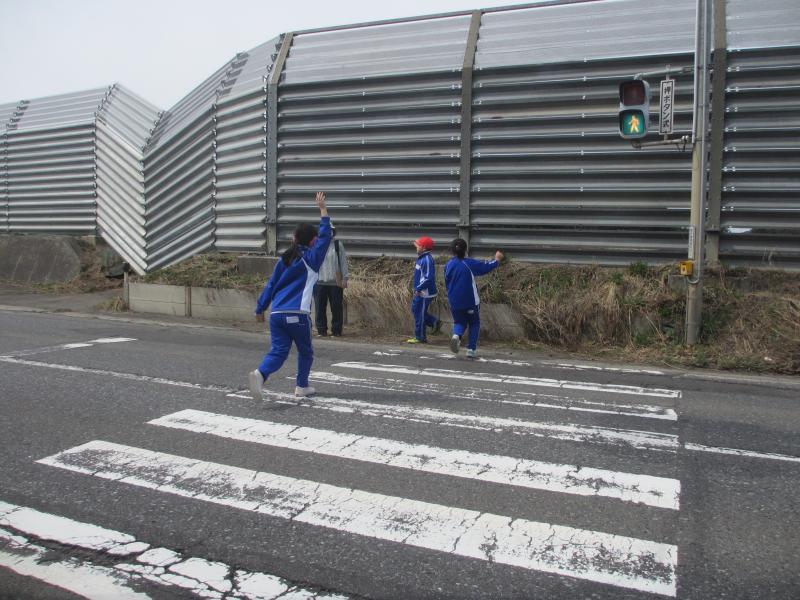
(459, 277)
(290, 288)
(425, 275)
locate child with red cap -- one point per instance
(424, 292)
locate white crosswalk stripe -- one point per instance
(593, 553)
(569, 479)
(482, 394)
(514, 379)
(646, 440)
(23, 530)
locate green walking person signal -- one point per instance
(634, 109)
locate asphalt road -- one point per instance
(135, 464)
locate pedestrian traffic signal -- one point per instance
(634, 109)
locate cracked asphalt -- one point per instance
(735, 531)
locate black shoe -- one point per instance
(437, 327)
(322, 333)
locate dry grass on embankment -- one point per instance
(627, 313)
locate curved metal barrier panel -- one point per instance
(499, 124)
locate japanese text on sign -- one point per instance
(667, 106)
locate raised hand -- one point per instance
(320, 200)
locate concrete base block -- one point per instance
(259, 265)
(501, 322)
(498, 321)
(369, 313)
(211, 303)
(39, 258)
(158, 299)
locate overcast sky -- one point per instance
(161, 49)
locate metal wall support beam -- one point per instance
(272, 145)
(4, 179)
(10, 126)
(717, 133)
(465, 185)
(234, 62)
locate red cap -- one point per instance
(424, 242)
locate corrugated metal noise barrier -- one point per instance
(760, 214)
(521, 152)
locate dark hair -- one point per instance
(458, 247)
(303, 234)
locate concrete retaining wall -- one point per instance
(498, 321)
(39, 258)
(211, 303)
(159, 299)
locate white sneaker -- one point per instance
(304, 391)
(455, 344)
(256, 380)
(471, 353)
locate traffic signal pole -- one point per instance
(634, 116)
(694, 293)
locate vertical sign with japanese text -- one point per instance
(667, 106)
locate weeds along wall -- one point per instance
(496, 125)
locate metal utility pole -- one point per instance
(694, 294)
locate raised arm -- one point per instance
(482, 267)
(315, 255)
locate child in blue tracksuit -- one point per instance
(424, 285)
(462, 293)
(290, 290)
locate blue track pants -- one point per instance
(467, 318)
(422, 319)
(285, 328)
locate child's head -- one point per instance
(423, 244)
(304, 234)
(458, 247)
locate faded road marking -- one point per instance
(128, 376)
(21, 530)
(744, 453)
(70, 346)
(646, 440)
(660, 492)
(583, 554)
(514, 379)
(531, 399)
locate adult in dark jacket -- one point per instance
(330, 288)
